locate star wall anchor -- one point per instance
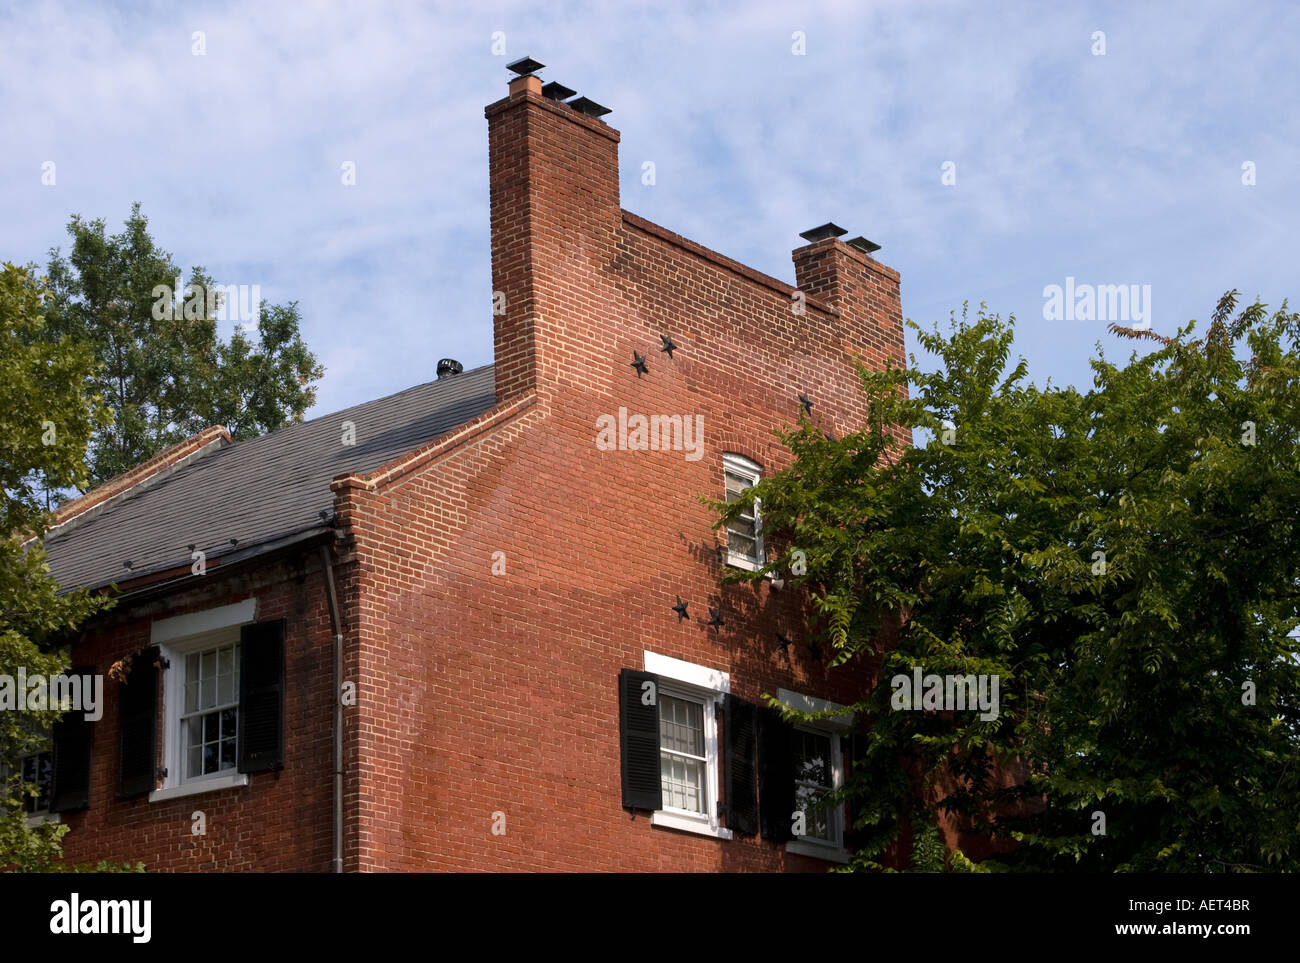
(680, 609)
(638, 362)
(815, 651)
(783, 643)
(806, 402)
(715, 620)
(668, 344)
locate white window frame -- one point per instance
(686, 680)
(753, 472)
(176, 638)
(834, 727)
(40, 816)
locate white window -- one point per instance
(819, 769)
(688, 744)
(815, 763)
(210, 713)
(200, 694)
(744, 533)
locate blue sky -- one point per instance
(1122, 168)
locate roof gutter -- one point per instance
(327, 570)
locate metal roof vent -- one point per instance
(557, 91)
(525, 66)
(585, 105)
(863, 245)
(449, 366)
(828, 229)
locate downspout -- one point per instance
(336, 862)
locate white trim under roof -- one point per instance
(194, 623)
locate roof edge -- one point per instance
(724, 262)
(168, 460)
(404, 464)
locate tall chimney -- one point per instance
(553, 170)
(864, 292)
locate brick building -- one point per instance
(486, 567)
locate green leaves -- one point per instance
(1122, 557)
(47, 414)
(166, 378)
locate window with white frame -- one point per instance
(682, 753)
(209, 719)
(688, 696)
(815, 761)
(200, 693)
(818, 771)
(38, 770)
(745, 532)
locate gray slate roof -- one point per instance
(259, 490)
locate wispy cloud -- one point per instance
(1123, 168)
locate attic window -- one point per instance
(744, 533)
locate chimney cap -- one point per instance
(829, 229)
(863, 245)
(449, 366)
(525, 66)
(584, 105)
(557, 91)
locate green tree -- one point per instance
(1123, 559)
(48, 413)
(164, 371)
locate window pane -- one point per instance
(681, 725)
(681, 782)
(816, 817)
(193, 762)
(207, 692)
(813, 763)
(226, 661)
(208, 661)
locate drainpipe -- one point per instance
(336, 862)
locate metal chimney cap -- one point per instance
(449, 366)
(863, 245)
(828, 229)
(525, 66)
(557, 91)
(584, 105)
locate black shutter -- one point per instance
(72, 737)
(639, 741)
(137, 718)
(742, 792)
(261, 696)
(775, 775)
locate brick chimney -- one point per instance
(863, 291)
(555, 219)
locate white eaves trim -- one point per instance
(195, 623)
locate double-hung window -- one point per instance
(669, 734)
(218, 725)
(818, 771)
(745, 532)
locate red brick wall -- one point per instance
(485, 693)
(280, 821)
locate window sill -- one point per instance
(233, 781)
(39, 819)
(832, 854)
(688, 825)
